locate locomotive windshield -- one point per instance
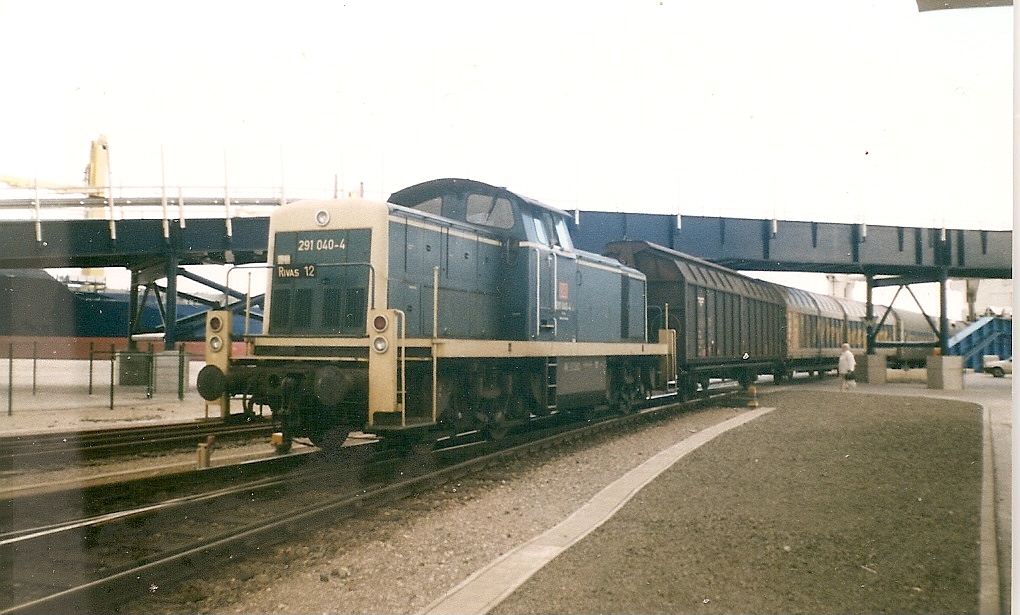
(321, 268)
(488, 210)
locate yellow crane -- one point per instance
(97, 175)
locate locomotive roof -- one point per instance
(419, 193)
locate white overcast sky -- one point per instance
(809, 110)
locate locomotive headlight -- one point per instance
(322, 217)
(216, 343)
(380, 322)
(215, 323)
(380, 344)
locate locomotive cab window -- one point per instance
(432, 206)
(491, 211)
(563, 233)
(541, 233)
(549, 234)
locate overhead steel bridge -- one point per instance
(156, 247)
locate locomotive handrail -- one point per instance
(538, 292)
(402, 349)
(539, 254)
(435, 334)
(247, 297)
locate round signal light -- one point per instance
(380, 344)
(322, 217)
(380, 323)
(215, 323)
(216, 343)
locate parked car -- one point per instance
(999, 368)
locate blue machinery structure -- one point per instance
(984, 336)
(153, 249)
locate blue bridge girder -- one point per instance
(768, 245)
(154, 248)
(739, 243)
(138, 244)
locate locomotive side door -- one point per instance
(555, 281)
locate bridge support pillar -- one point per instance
(170, 324)
(134, 313)
(945, 373)
(871, 369)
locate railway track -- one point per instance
(94, 564)
(67, 447)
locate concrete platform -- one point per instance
(494, 582)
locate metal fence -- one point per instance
(108, 373)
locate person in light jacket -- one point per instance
(847, 364)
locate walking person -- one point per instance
(847, 364)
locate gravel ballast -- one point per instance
(831, 503)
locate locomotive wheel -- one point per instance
(623, 401)
(285, 444)
(331, 439)
(496, 427)
(456, 416)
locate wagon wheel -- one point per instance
(688, 388)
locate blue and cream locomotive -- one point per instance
(457, 306)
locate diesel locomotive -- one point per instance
(461, 307)
(455, 307)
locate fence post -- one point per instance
(10, 379)
(152, 373)
(180, 373)
(92, 351)
(113, 359)
(35, 361)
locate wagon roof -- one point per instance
(695, 270)
(826, 305)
